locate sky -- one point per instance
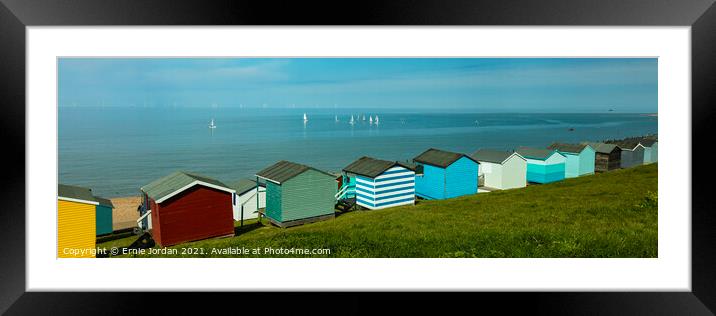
(567, 85)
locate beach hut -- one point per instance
(381, 183)
(297, 194)
(186, 207)
(501, 170)
(104, 216)
(651, 150)
(445, 174)
(543, 165)
(607, 157)
(632, 152)
(76, 226)
(245, 201)
(580, 158)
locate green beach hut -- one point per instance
(297, 194)
(580, 158)
(104, 216)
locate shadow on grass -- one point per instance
(339, 212)
(238, 230)
(115, 236)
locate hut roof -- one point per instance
(371, 167)
(627, 143)
(568, 148)
(647, 142)
(491, 155)
(283, 171)
(76, 193)
(167, 186)
(602, 148)
(439, 158)
(104, 202)
(535, 153)
(244, 185)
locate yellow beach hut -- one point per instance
(76, 215)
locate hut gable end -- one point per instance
(173, 184)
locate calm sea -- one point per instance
(116, 150)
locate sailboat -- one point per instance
(370, 120)
(376, 120)
(364, 117)
(305, 118)
(352, 121)
(336, 118)
(211, 124)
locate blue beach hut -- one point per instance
(445, 174)
(381, 183)
(580, 158)
(543, 165)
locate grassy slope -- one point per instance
(605, 215)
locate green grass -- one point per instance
(605, 215)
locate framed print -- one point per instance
(475, 148)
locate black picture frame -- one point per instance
(15, 15)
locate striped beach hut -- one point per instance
(543, 165)
(445, 174)
(608, 156)
(580, 158)
(501, 170)
(297, 194)
(382, 183)
(632, 152)
(187, 207)
(104, 216)
(76, 222)
(651, 150)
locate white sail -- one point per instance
(364, 117)
(352, 121)
(376, 119)
(336, 118)
(211, 124)
(370, 119)
(305, 117)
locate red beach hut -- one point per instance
(186, 207)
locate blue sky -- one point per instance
(470, 84)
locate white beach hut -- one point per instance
(244, 201)
(500, 170)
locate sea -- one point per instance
(117, 150)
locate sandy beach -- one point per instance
(125, 213)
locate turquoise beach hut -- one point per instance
(651, 150)
(381, 183)
(543, 165)
(580, 158)
(103, 218)
(445, 174)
